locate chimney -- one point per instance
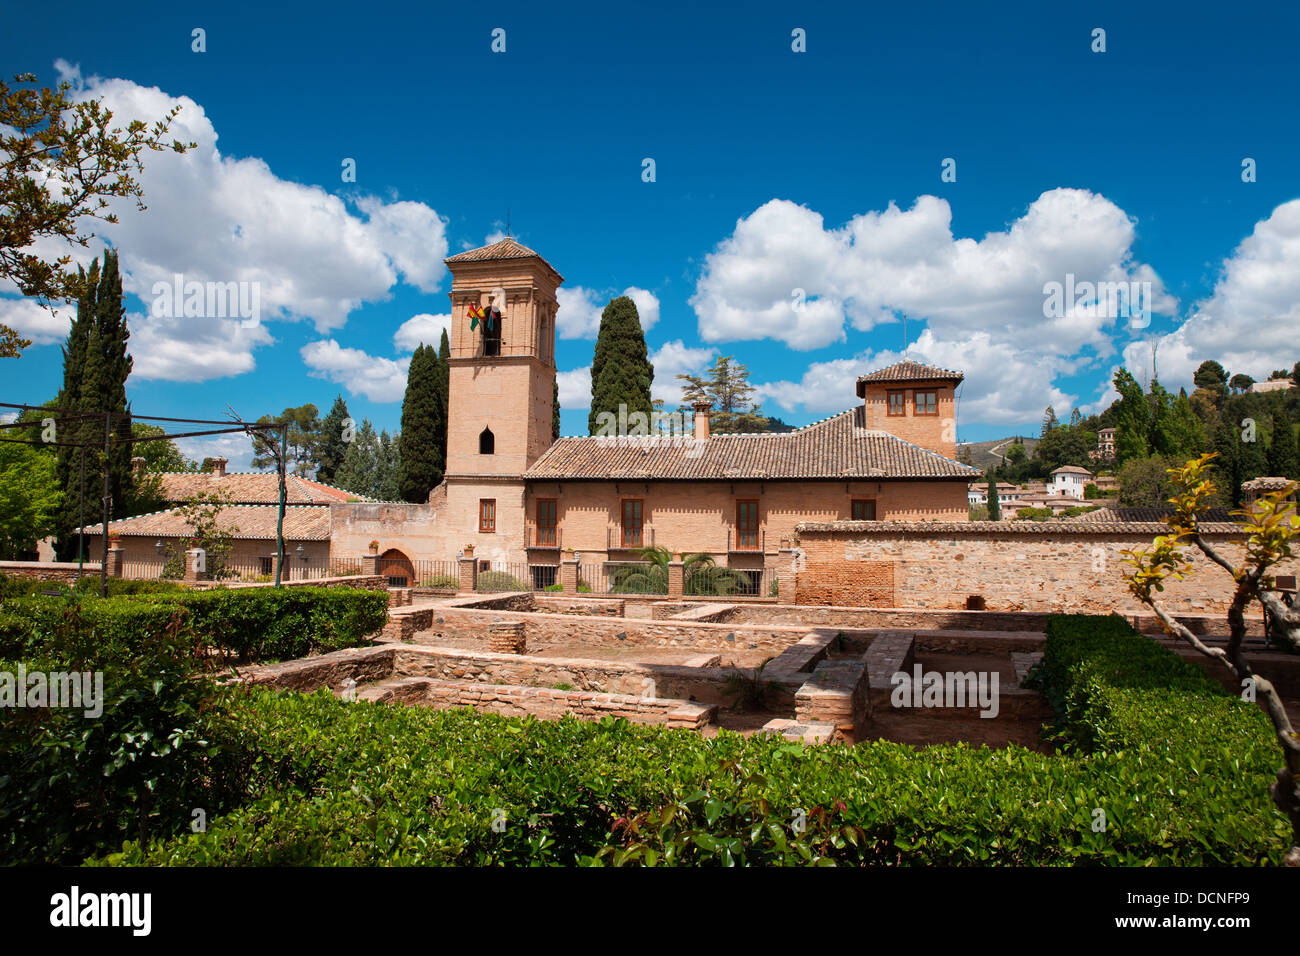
(702, 410)
(219, 467)
(137, 466)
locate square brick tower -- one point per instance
(914, 402)
(502, 384)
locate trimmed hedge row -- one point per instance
(15, 587)
(250, 624)
(364, 784)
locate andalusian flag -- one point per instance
(475, 313)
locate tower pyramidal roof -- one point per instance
(507, 248)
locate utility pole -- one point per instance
(108, 500)
(81, 518)
(279, 519)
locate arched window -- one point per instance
(487, 442)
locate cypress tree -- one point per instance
(95, 369)
(1282, 458)
(555, 411)
(332, 447)
(67, 467)
(443, 396)
(621, 373)
(114, 335)
(995, 506)
(424, 424)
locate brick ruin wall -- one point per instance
(1012, 567)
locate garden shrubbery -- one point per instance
(248, 624)
(168, 738)
(1180, 769)
(361, 784)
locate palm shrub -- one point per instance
(701, 575)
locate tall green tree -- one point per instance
(726, 386)
(555, 411)
(621, 372)
(301, 446)
(387, 485)
(333, 446)
(29, 498)
(994, 505)
(422, 442)
(372, 465)
(96, 367)
(1283, 460)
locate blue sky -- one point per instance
(775, 170)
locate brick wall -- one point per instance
(1013, 566)
(697, 516)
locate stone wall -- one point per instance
(65, 571)
(543, 630)
(586, 607)
(1012, 566)
(699, 679)
(544, 703)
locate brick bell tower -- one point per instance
(502, 377)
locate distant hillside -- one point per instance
(985, 454)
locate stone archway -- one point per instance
(397, 569)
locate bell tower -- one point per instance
(502, 364)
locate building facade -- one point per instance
(517, 497)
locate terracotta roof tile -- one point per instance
(257, 522)
(1265, 484)
(836, 447)
(910, 371)
(507, 248)
(253, 488)
(1111, 515)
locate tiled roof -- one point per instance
(253, 488)
(1113, 515)
(909, 371)
(1265, 484)
(1071, 470)
(507, 248)
(837, 447)
(301, 523)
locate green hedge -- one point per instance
(1180, 769)
(365, 784)
(250, 624)
(14, 587)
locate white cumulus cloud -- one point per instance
(314, 255)
(378, 379)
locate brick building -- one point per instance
(250, 517)
(518, 497)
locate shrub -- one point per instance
(444, 582)
(253, 624)
(499, 581)
(554, 587)
(362, 784)
(366, 784)
(75, 784)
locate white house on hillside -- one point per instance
(1069, 480)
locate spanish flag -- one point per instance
(475, 313)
